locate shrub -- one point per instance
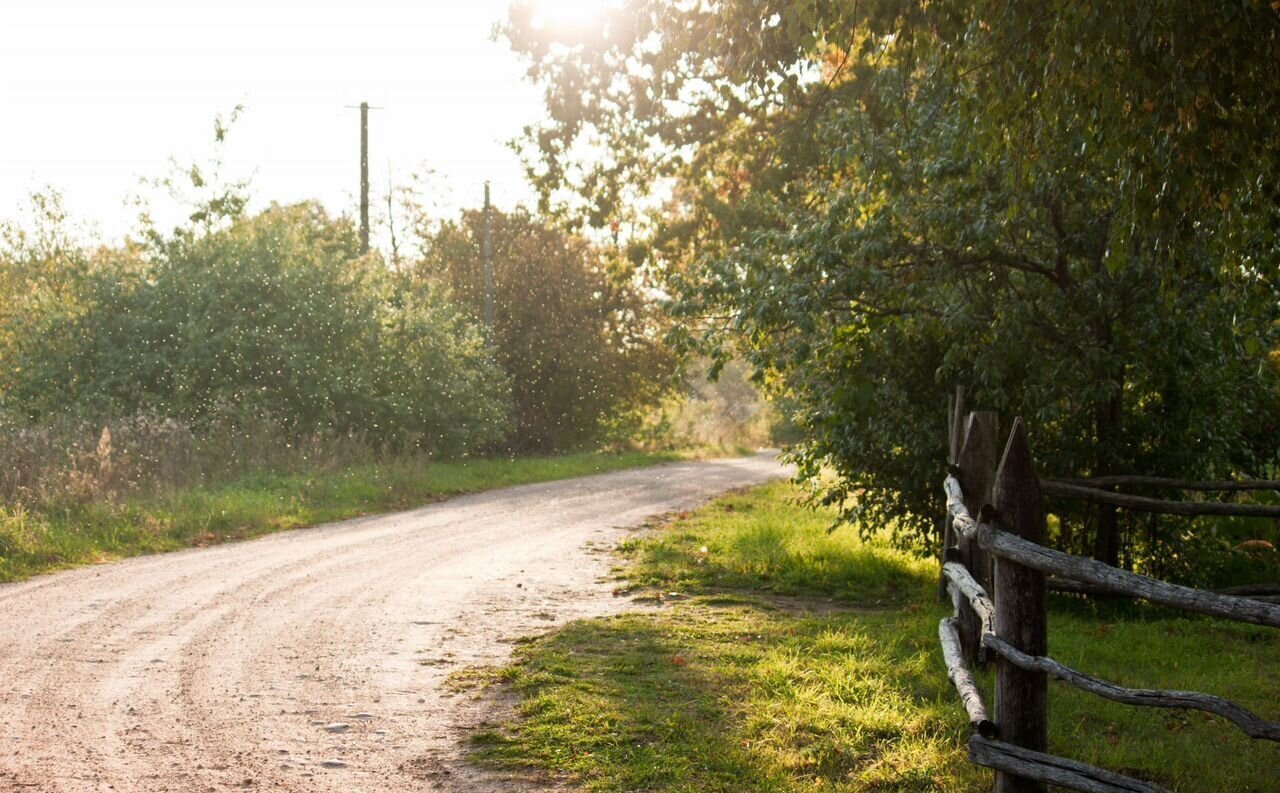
(274, 315)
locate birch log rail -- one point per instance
(964, 584)
(962, 679)
(1104, 576)
(961, 520)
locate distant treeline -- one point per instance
(245, 325)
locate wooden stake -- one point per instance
(955, 403)
(957, 425)
(1021, 696)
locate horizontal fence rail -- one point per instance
(1223, 486)
(1248, 723)
(1054, 770)
(1159, 506)
(1115, 580)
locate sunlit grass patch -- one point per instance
(801, 660)
(742, 697)
(762, 539)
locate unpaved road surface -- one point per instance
(312, 660)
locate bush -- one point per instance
(275, 315)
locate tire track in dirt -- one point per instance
(311, 660)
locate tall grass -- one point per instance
(71, 460)
(76, 492)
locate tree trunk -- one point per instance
(1107, 416)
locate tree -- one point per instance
(876, 200)
(41, 260)
(572, 328)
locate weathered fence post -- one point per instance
(1022, 697)
(955, 438)
(956, 441)
(977, 463)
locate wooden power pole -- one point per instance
(364, 175)
(488, 260)
(364, 178)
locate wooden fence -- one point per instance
(994, 542)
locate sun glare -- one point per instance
(571, 13)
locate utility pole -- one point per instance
(488, 260)
(364, 175)
(364, 178)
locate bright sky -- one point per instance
(97, 94)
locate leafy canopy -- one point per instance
(1072, 208)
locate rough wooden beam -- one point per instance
(1225, 485)
(946, 532)
(1249, 723)
(1022, 697)
(1007, 546)
(956, 425)
(977, 463)
(1005, 757)
(1251, 590)
(1266, 593)
(962, 679)
(1159, 506)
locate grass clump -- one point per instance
(761, 540)
(801, 660)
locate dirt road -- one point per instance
(311, 660)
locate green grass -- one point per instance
(799, 660)
(763, 541)
(52, 536)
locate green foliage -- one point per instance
(729, 412)
(571, 327)
(41, 262)
(875, 201)
(274, 314)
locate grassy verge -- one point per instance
(52, 536)
(797, 660)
